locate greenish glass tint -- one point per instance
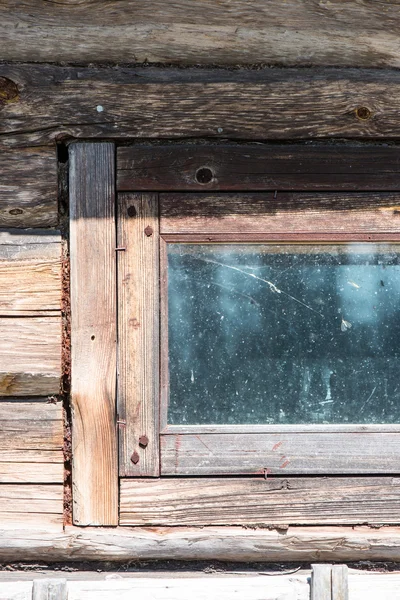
(283, 333)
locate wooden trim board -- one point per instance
(260, 502)
(93, 334)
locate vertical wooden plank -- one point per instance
(138, 334)
(49, 589)
(340, 582)
(93, 334)
(321, 582)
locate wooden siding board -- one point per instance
(28, 187)
(30, 356)
(260, 502)
(25, 506)
(227, 32)
(57, 102)
(93, 334)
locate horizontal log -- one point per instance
(279, 453)
(30, 356)
(31, 442)
(211, 543)
(54, 102)
(229, 32)
(258, 167)
(28, 187)
(283, 213)
(25, 506)
(238, 501)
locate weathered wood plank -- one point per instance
(340, 582)
(30, 356)
(120, 31)
(213, 543)
(31, 441)
(258, 167)
(279, 453)
(64, 102)
(27, 506)
(138, 334)
(93, 334)
(28, 187)
(29, 244)
(321, 582)
(238, 501)
(49, 589)
(287, 213)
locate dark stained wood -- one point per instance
(62, 102)
(283, 213)
(250, 501)
(204, 32)
(93, 334)
(258, 167)
(138, 334)
(28, 187)
(279, 453)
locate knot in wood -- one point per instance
(8, 90)
(363, 113)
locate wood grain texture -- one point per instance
(31, 442)
(244, 501)
(27, 506)
(279, 453)
(119, 31)
(258, 167)
(321, 582)
(340, 582)
(62, 102)
(138, 334)
(288, 213)
(49, 589)
(28, 187)
(212, 543)
(93, 334)
(30, 356)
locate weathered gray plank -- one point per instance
(49, 589)
(274, 501)
(279, 453)
(31, 442)
(60, 102)
(138, 334)
(287, 213)
(28, 187)
(120, 31)
(93, 334)
(321, 582)
(30, 356)
(29, 244)
(340, 582)
(184, 167)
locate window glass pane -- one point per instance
(283, 333)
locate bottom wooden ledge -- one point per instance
(208, 543)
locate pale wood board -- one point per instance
(321, 582)
(93, 334)
(245, 501)
(49, 589)
(30, 356)
(210, 543)
(57, 102)
(30, 506)
(280, 453)
(340, 582)
(280, 33)
(138, 334)
(288, 213)
(31, 441)
(28, 187)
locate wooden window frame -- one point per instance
(140, 240)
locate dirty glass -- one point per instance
(283, 333)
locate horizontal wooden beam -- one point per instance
(30, 356)
(53, 103)
(236, 501)
(28, 187)
(258, 167)
(24, 506)
(202, 543)
(229, 32)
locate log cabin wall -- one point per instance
(129, 71)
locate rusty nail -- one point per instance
(135, 458)
(148, 231)
(121, 248)
(143, 441)
(121, 423)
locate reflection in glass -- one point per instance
(283, 333)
